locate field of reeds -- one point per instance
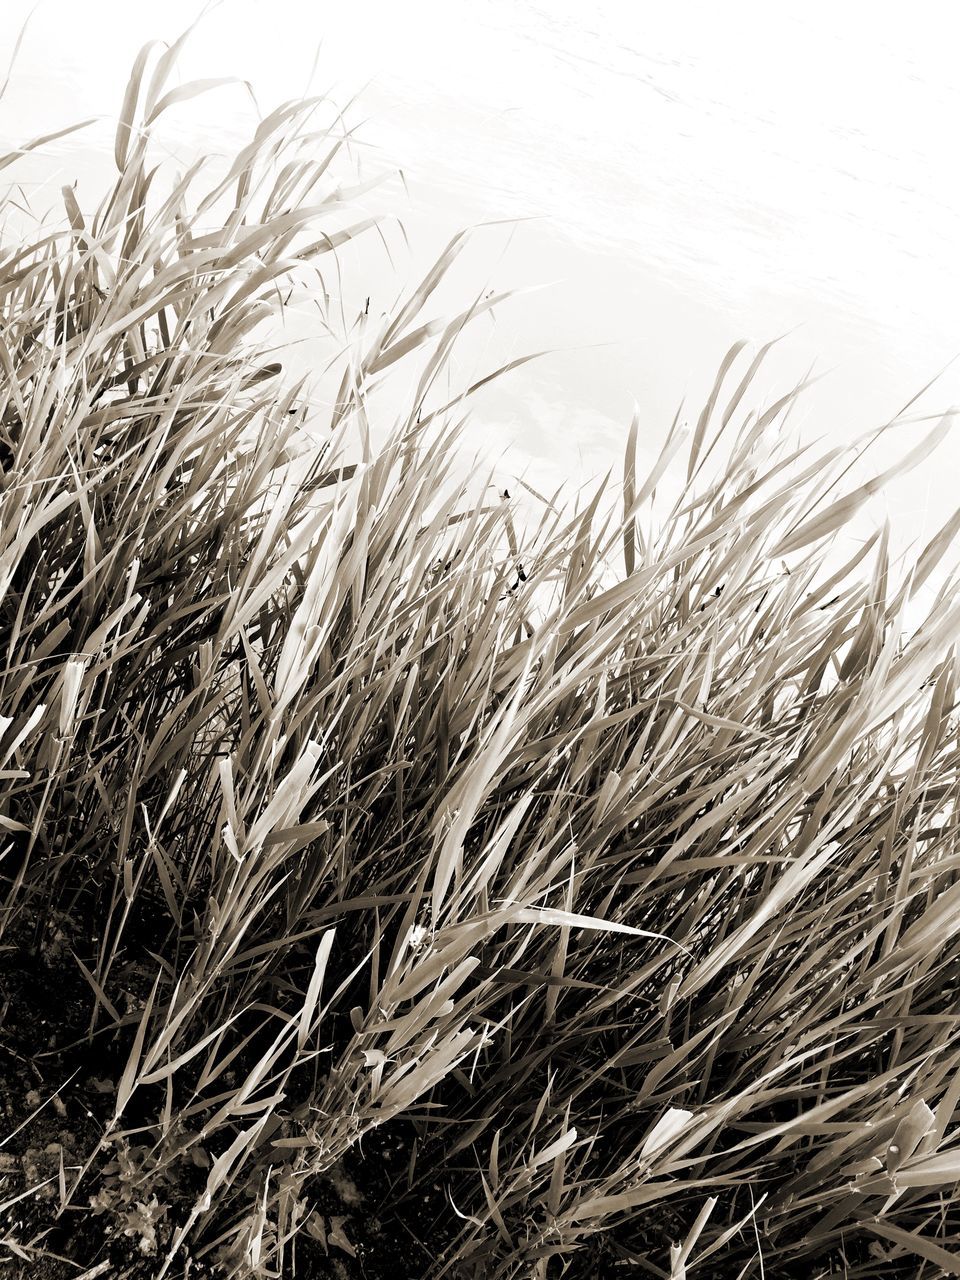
(397, 884)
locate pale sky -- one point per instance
(696, 172)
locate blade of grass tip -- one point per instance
(573, 920)
(785, 405)
(427, 285)
(165, 65)
(683, 1252)
(382, 357)
(313, 990)
(669, 451)
(192, 89)
(554, 1149)
(630, 493)
(707, 412)
(676, 423)
(840, 512)
(427, 418)
(16, 48)
(128, 109)
(414, 305)
(738, 395)
(440, 357)
(873, 436)
(36, 715)
(670, 1125)
(15, 155)
(934, 552)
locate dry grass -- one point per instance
(584, 892)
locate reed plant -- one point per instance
(393, 885)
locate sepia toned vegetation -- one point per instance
(395, 885)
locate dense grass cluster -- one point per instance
(391, 886)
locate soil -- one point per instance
(57, 1090)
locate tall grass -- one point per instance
(576, 894)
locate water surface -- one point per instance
(689, 174)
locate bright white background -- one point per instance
(696, 173)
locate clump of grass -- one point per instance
(568, 894)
